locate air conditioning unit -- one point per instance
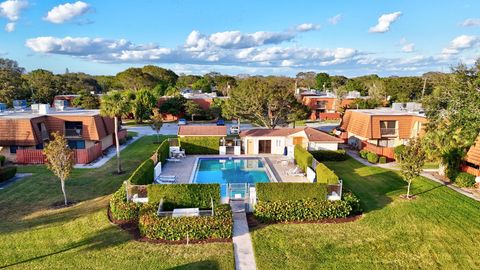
(43, 108)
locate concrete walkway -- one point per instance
(242, 242)
(17, 177)
(425, 174)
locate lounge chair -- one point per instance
(162, 179)
(173, 159)
(295, 172)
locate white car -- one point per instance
(234, 130)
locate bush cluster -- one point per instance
(204, 145)
(163, 151)
(464, 179)
(2, 160)
(218, 226)
(303, 158)
(270, 192)
(372, 157)
(398, 150)
(120, 209)
(328, 155)
(144, 174)
(184, 195)
(382, 160)
(325, 175)
(363, 154)
(7, 173)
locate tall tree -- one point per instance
(114, 105)
(323, 81)
(453, 113)
(135, 79)
(157, 122)
(306, 79)
(174, 105)
(202, 84)
(87, 100)
(143, 104)
(12, 85)
(405, 89)
(44, 85)
(265, 101)
(160, 74)
(192, 108)
(411, 160)
(185, 81)
(59, 160)
(73, 83)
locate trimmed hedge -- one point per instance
(204, 145)
(398, 150)
(184, 195)
(2, 160)
(7, 173)
(363, 154)
(328, 155)
(302, 157)
(372, 157)
(325, 175)
(144, 174)
(120, 209)
(382, 160)
(464, 179)
(163, 151)
(269, 192)
(219, 226)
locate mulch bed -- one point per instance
(253, 223)
(132, 228)
(61, 204)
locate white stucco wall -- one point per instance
(312, 146)
(278, 144)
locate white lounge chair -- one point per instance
(295, 172)
(173, 159)
(162, 179)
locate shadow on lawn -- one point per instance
(209, 264)
(102, 239)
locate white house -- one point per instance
(277, 141)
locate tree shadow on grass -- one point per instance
(208, 264)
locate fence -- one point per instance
(382, 151)
(80, 156)
(329, 116)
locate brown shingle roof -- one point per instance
(313, 135)
(473, 154)
(202, 131)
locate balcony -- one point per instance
(73, 132)
(387, 132)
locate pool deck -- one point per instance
(184, 168)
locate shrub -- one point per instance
(204, 145)
(143, 175)
(269, 192)
(302, 157)
(122, 141)
(382, 160)
(464, 179)
(301, 210)
(398, 150)
(363, 153)
(218, 226)
(2, 160)
(353, 201)
(325, 175)
(184, 195)
(7, 173)
(328, 155)
(372, 157)
(120, 209)
(163, 151)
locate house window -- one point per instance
(386, 143)
(278, 143)
(388, 128)
(39, 146)
(13, 149)
(76, 144)
(73, 129)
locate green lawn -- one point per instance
(439, 229)
(35, 236)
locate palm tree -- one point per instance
(114, 105)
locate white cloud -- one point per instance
(10, 27)
(335, 19)
(384, 22)
(471, 22)
(305, 27)
(407, 47)
(66, 12)
(459, 44)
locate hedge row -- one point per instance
(270, 192)
(464, 179)
(2, 160)
(325, 175)
(144, 174)
(120, 209)
(163, 151)
(303, 158)
(184, 195)
(329, 155)
(7, 173)
(305, 210)
(219, 226)
(372, 157)
(204, 145)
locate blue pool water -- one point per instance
(234, 175)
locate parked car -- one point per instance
(182, 121)
(220, 122)
(234, 130)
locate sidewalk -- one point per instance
(242, 242)
(426, 174)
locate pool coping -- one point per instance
(270, 174)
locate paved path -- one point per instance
(242, 242)
(425, 174)
(17, 177)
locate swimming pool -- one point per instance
(235, 175)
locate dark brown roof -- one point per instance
(313, 135)
(473, 155)
(202, 130)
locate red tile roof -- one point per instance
(473, 155)
(202, 131)
(313, 135)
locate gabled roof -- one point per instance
(211, 130)
(313, 135)
(473, 154)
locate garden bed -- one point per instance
(254, 223)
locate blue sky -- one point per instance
(235, 37)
